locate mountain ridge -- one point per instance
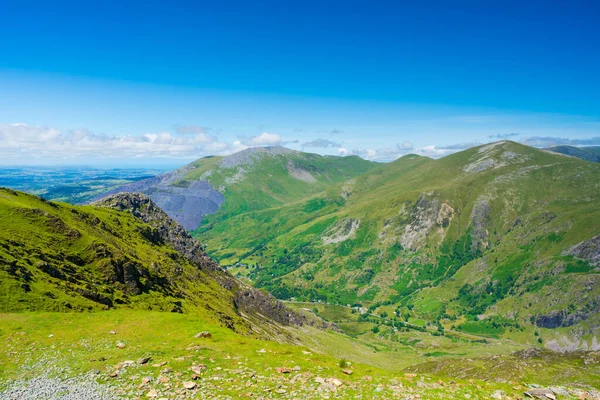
(589, 153)
(198, 189)
(402, 237)
(404, 232)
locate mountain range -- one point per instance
(479, 265)
(589, 153)
(473, 241)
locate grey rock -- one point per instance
(44, 387)
(588, 251)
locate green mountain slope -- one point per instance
(482, 240)
(591, 153)
(265, 177)
(153, 289)
(250, 180)
(123, 252)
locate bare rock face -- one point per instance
(257, 301)
(588, 251)
(559, 319)
(341, 231)
(422, 219)
(493, 156)
(299, 173)
(480, 219)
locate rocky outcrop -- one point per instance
(341, 231)
(423, 217)
(493, 156)
(414, 223)
(558, 319)
(163, 227)
(480, 220)
(185, 202)
(588, 251)
(249, 299)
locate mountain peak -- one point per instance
(491, 156)
(248, 156)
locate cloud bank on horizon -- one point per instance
(21, 143)
(301, 76)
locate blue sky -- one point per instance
(141, 83)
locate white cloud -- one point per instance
(386, 153)
(406, 147)
(264, 139)
(342, 151)
(434, 151)
(459, 146)
(503, 136)
(23, 143)
(237, 146)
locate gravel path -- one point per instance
(46, 388)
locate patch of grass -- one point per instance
(355, 328)
(578, 266)
(483, 328)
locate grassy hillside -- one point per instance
(170, 362)
(251, 180)
(263, 178)
(481, 241)
(116, 293)
(124, 252)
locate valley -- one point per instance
(470, 242)
(474, 275)
(223, 200)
